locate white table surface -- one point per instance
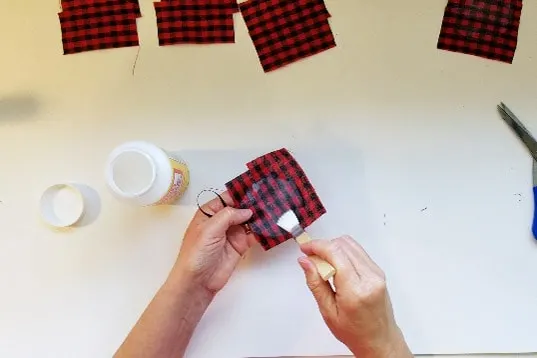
(423, 122)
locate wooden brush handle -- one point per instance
(324, 268)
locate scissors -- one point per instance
(530, 143)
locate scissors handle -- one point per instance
(534, 225)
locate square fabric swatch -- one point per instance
(100, 4)
(196, 7)
(285, 31)
(95, 28)
(195, 22)
(184, 23)
(484, 28)
(274, 184)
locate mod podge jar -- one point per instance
(145, 174)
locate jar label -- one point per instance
(179, 183)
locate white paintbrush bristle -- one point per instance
(289, 222)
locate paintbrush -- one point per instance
(289, 222)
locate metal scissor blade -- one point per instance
(535, 175)
(517, 126)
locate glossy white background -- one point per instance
(385, 125)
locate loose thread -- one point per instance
(136, 60)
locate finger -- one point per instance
(226, 196)
(360, 258)
(321, 290)
(239, 240)
(213, 206)
(216, 204)
(332, 252)
(226, 218)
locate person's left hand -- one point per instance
(212, 247)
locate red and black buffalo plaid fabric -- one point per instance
(484, 28)
(195, 21)
(274, 184)
(103, 4)
(98, 24)
(285, 31)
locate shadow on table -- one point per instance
(17, 107)
(92, 205)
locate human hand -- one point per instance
(212, 247)
(359, 312)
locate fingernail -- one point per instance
(245, 213)
(305, 248)
(303, 262)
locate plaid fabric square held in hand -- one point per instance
(195, 21)
(484, 28)
(98, 25)
(274, 184)
(285, 31)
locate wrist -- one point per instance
(394, 346)
(184, 282)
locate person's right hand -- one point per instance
(359, 312)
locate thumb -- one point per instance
(321, 290)
(227, 217)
